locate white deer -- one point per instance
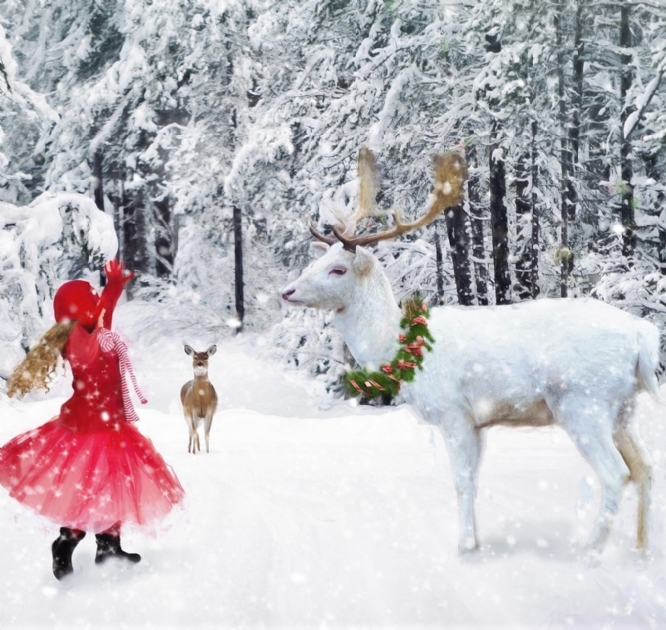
(576, 363)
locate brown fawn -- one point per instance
(199, 398)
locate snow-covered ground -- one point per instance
(312, 514)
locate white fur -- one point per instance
(575, 363)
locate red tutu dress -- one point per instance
(90, 468)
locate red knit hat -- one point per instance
(77, 300)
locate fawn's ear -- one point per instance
(211, 350)
(189, 350)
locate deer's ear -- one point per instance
(318, 249)
(211, 350)
(189, 350)
(363, 261)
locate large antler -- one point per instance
(331, 240)
(368, 187)
(450, 175)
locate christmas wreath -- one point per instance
(414, 339)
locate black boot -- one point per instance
(108, 546)
(62, 549)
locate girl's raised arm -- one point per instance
(116, 277)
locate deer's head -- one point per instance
(333, 279)
(344, 270)
(200, 359)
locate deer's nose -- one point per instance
(287, 294)
(199, 364)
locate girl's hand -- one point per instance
(115, 272)
(117, 277)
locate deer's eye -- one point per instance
(338, 271)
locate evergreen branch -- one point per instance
(414, 340)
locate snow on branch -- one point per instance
(56, 237)
(391, 105)
(643, 100)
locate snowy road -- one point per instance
(340, 518)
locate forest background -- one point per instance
(200, 138)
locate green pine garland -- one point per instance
(415, 338)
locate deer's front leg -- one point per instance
(207, 423)
(195, 426)
(194, 437)
(463, 443)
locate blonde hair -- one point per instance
(37, 369)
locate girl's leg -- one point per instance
(108, 546)
(62, 549)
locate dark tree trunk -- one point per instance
(164, 254)
(499, 222)
(476, 224)
(134, 236)
(131, 239)
(566, 185)
(597, 168)
(439, 262)
(524, 220)
(535, 216)
(118, 200)
(456, 229)
(577, 104)
(653, 172)
(98, 193)
(238, 259)
(98, 179)
(662, 240)
(627, 203)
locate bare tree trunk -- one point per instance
(597, 167)
(98, 193)
(566, 186)
(163, 239)
(118, 201)
(134, 235)
(662, 240)
(130, 238)
(499, 222)
(627, 203)
(535, 216)
(238, 259)
(98, 179)
(456, 229)
(524, 221)
(476, 224)
(653, 172)
(176, 233)
(439, 262)
(577, 104)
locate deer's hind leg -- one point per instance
(639, 462)
(591, 424)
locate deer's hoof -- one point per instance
(592, 558)
(468, 545)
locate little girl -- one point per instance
(89, 469)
